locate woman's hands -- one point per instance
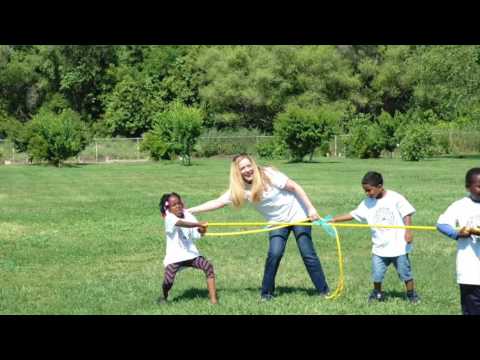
(313, 215)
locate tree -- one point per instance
(303, 130)
(447, 79)
(22, 88)
(183, 79)
(85, 77)
(247, 86)
(131, 107)
(394, 81)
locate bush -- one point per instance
(157, 147)
(208, 149)
(227, 142)
(175, 132)
(55, 137)
(417, 142)
(303, 130)
(366, 138)
(214, 147)
(271, 149)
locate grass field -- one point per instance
(89, 240)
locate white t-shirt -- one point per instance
(277, 204)
(389, 210)
(180, 240)
(465, 212)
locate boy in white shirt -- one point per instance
(386, 207)
(465, 213)
(182, 229)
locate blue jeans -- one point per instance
(470, 298)
(278, 241)
(401, 263)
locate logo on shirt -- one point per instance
(184, 235)
(474, 221)
(384, 216)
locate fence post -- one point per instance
(138, 149)
(13, 153)
(96, 151)
(335, 145)
(450, 140)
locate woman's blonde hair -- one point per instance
(260, 181)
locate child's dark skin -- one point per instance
(176, 207)
(377, 192)
(474, 190)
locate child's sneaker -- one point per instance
(376, 296)
(325, 295)
(267, 297)
(413, 297)
(161, 300)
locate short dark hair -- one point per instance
(470, 175)
(372, 178)
(163, 202)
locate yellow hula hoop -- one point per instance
(341, 278)
(335, 225)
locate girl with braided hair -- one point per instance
(182, 230)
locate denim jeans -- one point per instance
(470, 299)
(381, 263)
(277, 242)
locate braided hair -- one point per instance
(164, 205)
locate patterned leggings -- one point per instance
(198, 263)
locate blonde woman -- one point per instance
(278, 199)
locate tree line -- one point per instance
(382, 95)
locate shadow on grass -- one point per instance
(394, 294)
(281, 290)
(460, 156)
(64, 165)
(313, 162)
(192, 294)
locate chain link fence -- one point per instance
(128, 149)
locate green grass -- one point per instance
(89, 240)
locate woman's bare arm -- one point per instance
(207, 206)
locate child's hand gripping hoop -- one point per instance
(475, 231)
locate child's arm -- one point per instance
(407, 220)
(340, 218)
(202, 226)
(450, 231)
(448, 220)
